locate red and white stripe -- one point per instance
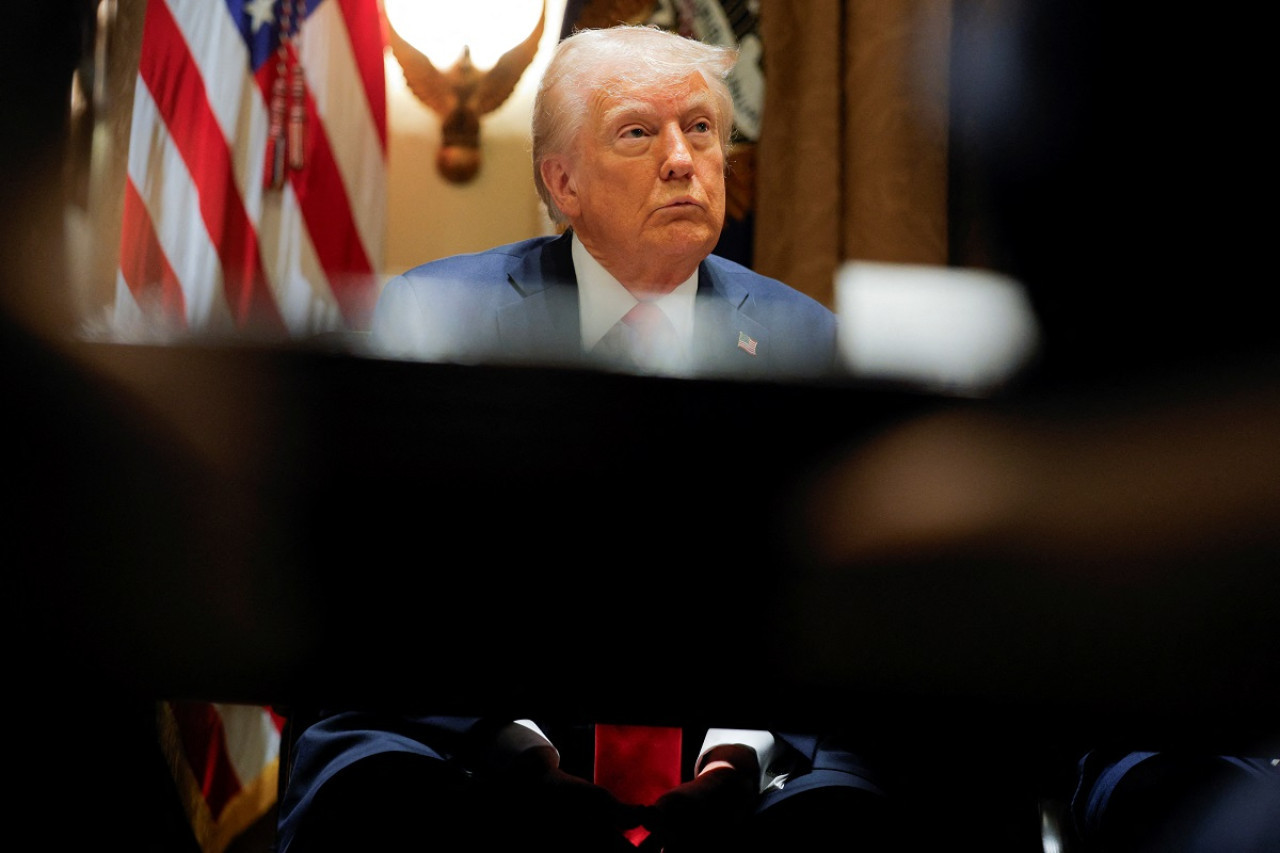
(205, 246)
(225, 762)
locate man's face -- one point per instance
(644, 186)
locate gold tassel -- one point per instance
(275, 135)
(286, 134)
(297, 118)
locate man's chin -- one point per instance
(687, 238)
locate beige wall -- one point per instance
(430, 217)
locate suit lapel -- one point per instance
(722, 319)
(542, 321)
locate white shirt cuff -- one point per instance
(761, 741)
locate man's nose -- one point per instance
(677, 159)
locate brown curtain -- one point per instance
(852, 159)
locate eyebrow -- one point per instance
(626, 108)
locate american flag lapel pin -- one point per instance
(746, 342)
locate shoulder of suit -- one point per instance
(761, 286)
(724, 265)
(472, 262)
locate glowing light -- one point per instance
(441, 28)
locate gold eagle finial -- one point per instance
(461, 94)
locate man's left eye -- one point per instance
(701, 127)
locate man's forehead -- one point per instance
(623, 96)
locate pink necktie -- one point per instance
(655, 337)
(644, 338)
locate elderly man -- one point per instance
(630, 130)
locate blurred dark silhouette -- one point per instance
(106, 509)
(1113, 157)
(67, 725)
(1109, 531)
(1089, 560)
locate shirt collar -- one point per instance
(602, 300)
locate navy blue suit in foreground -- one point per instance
(423, 777)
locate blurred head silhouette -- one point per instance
(1112, 148)
(42, 45)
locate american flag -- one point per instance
(225, 762)
(746, 342)
(212, 243)
(208, 244)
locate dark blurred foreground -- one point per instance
(1089, 559)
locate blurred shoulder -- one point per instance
(761, 286)
(757, 283)
(480, 264)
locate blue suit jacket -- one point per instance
(520, 302)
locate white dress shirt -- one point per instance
(602, 302)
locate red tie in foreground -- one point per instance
(637, 764)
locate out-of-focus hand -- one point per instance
(708, 811)
(566, 807)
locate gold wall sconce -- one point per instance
(462, 93)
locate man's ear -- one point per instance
(558, 178)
